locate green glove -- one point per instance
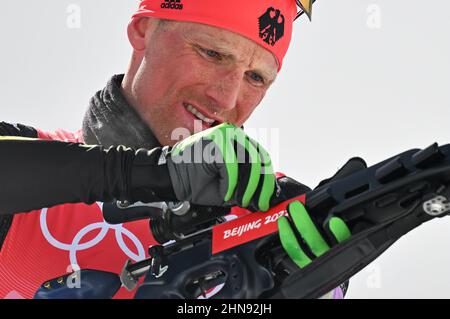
(222, 166)
(310, 235)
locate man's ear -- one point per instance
(137, 29)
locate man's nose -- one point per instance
(225, 89)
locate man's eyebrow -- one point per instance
(220, 45)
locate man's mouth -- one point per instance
(200, 116)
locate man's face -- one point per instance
(195, 76)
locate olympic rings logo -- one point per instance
(75, 246)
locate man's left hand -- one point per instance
(300, 230)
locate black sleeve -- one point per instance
(7, 129)
(36, 173)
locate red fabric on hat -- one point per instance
(249, 18)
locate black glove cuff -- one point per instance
(149, 179)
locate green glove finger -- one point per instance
(267, 191)
(218, 135)
(307, 229)
(290, 243)
(229, 156)
(339, 229)
(255, 167)
(268, 185)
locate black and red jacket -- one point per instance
(71, 180)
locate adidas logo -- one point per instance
(172, 4)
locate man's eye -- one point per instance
(256, 77)
(212, 54)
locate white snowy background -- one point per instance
(365, 78)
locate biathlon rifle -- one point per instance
(201, 248)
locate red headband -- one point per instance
(267, 22)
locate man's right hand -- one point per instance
(222, 166)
